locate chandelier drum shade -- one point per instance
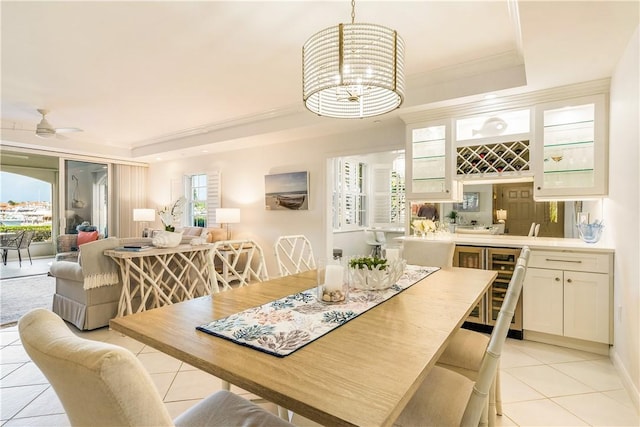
(353, 71)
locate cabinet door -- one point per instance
(586, 306)
(571, 149)
(542, 297)
(429, 163)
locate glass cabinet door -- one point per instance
(429, 163)
(571, 149)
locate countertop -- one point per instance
(506, 241)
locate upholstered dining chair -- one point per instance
(237, 261)
(447, 398)
(466, 350)
(294, 254)
(101, 384)
(429, 253)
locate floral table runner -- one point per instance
(285, 325)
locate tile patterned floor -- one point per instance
(542, 385)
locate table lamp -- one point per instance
(501, 215)
(227, 216)
(144, 216)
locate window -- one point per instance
(197, 201)
(349, 197)
(202, 192)
(398, 199)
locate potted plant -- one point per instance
(453, 215)
(373, 273)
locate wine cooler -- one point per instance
(502, 260)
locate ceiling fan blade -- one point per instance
(68, 130)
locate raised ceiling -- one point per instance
(144, 79)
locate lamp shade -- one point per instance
(501, 215)
(147, 215)
(227, 215)
(353, 71)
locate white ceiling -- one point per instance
(144, 79)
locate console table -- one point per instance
(162, 276)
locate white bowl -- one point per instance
(375, 280)
(167, 239)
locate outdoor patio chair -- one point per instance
(20, 241)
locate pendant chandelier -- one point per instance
(353, 70)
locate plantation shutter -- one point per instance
(213, 196)
(381, 189)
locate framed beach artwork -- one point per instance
(286, 191)
(470, 203)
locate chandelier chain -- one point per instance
(353, 11)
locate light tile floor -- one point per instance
(542, 385)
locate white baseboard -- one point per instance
(590, 346)
(633, 392)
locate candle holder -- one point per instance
(332, 281)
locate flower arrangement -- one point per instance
(423, 226)
(169, 215)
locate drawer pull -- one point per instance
(577, 261)
(569, 281)
(557, 279)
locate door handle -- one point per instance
(577, 261)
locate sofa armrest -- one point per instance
(67, 270)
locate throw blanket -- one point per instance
(98, 270)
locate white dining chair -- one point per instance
(447, 398)
(536, 230)
(532, 229)
(466, 350)
(294, 254)
(237, 262)
(429, 253)
(101, 384)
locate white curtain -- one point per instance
(129, 193)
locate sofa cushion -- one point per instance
(86, 237)
(216, 234)
(192, 231)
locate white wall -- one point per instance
(242, 176)
(621, 210)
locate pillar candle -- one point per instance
(333, 278)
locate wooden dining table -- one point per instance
(361, 374)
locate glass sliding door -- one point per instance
(86, 195)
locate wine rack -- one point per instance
(504, 262)
(496, 158)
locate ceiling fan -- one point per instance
(45, 130)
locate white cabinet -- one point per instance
(429, 163)
(569, 293)
(571, 149)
